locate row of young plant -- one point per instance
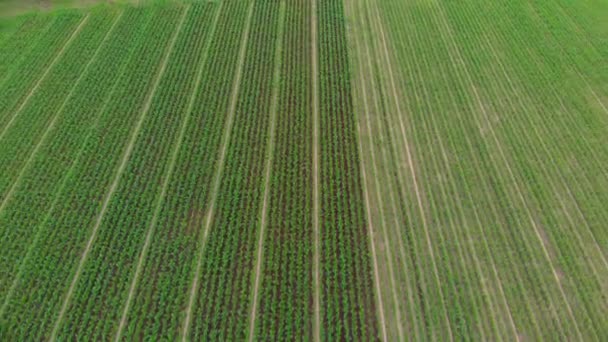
(285, 309)
(126, 224)
(18, 39)
(39, 295)
(33, 124)
(160, 302)
(347, 293)
(222, 310)
(40, 184)
(21, 79)
(560, 183)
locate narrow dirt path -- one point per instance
(218, 172)
(268, 168)
(44, 74)
(113, 186)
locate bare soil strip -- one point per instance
(43, 77)
(268, 168)
(61, 188)
(57, 114)
(218, 172)
(315, 174)
(516, 184)
(413, 172)
(117, 177)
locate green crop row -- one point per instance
(285, 309)
(347, 294)
(15, 45)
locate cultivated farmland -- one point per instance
(304, 170)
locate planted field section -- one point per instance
(103, 291)
(39, 187)
(508, 140)
(31, 124)
(163, 296)
(20, 81)
(285, 309)
(403, 295)
(549, 128)
(347, 292)
(577, 32)
(32, 310)
(221, 311)
(18, 40)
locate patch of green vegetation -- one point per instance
(12, 8)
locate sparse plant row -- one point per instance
(10, 27)
(224, 293)
(15, 46)
(582, 51)
(489, 75)
(43, 181)
(579, 131)
(587, 18)
(431, 66)
(431, 230)
(18, 83)
(530, 130)
(158, 306)
(132, 206)
(580, 75)
(286, 289)
(347, 291)
(455, 84)
(474, 268)
(50, 270)
(550, 131)
(404, 301)
(37, 119)
(446, 224)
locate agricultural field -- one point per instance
(304, 170)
